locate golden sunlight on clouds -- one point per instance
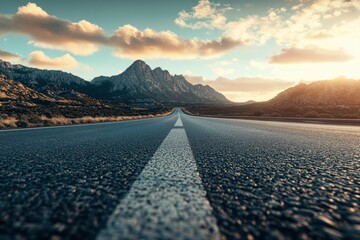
(85, 38)
(84, 49)
(31, 9)
(39, 59)
(50, 32)
(132, 43)
(309, 55)
(7, 56)
(206, 15)
(325, 25)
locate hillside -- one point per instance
(321, 93)
(18, 94)
(338, 98)
(21, 106)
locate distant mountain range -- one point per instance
(137, 84)
(338, 98)
(140, 85)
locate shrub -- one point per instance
(9, 122)
(22, 124)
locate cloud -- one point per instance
(7, 56)
(131, 42)
(32, 9)
(256, 30)
(300, 25)
(309, 55)
(204, 15)
(39, 59)
(50, 32)
(85, 38)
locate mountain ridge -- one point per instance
(157, 85)
(137, 84)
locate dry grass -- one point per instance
(12, 122)
(9, 122)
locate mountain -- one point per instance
(335, 92)
(139, 83)
(338, 98)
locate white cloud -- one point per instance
(289, 27)
(204, 15)
(203, 10)
(32, 9)
(39, 59)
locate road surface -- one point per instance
(181, 177)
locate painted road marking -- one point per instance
(167, 201)
(178, 123)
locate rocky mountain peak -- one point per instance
(159, 73)
(139, 65)
(138, 69)
(139, 83)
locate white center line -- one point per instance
(167, 201)
(178, 122)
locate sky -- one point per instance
(246, 49)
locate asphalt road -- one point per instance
(181, 178)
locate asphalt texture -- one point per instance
(261, 180)
(65, 182)
(272, 180)
(167, 200)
